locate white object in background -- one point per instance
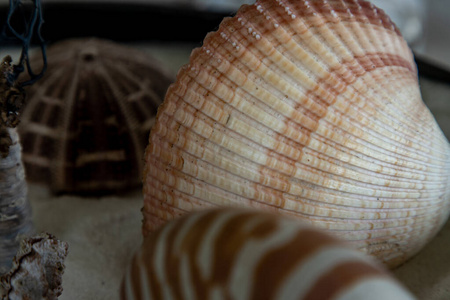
(409, 16)
(221, 5)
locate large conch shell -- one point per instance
(243, 254)
(311, 109)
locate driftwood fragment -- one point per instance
(37, 270)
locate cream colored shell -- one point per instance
(311, 109)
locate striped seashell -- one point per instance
(243, 254)
(311, 109)
(86, 123)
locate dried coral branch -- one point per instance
(37, 270)
(12, 99)
(12, 96)
(15, 210)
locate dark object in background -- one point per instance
(431, 70)
(126, 21)
(131, 22)
(86, 122)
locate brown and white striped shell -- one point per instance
(86, 122)
(311, 109)
(243, 254)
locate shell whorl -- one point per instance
(311, 109)
(86, 123)
(243, 254)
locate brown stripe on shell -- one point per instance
(166, 153)
(194, 202)
(234, 32)
(184, 145)
(277, 264)
(404, 46)
(145, 257)
(225, 246)
(225, 249)
(340, 277)
(137, 284)
(261, 35)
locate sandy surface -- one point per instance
(103, 234)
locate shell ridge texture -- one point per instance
(310, 109)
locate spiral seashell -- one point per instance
(244, 254)
(86, 123)
(311, 109)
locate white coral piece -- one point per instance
(37, 270)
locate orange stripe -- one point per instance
(122, 290)
(277, 265)
(340, 278)
(148, 250)
(190, 245)
(172, 262)
(228, 244)
(360, 11)
(232, 239)
(135, 278)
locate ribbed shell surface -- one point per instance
(86, 122)
(311, 109)
(239, 254)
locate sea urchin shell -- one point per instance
(86, 123)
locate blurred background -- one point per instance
(424, 23)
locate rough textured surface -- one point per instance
(15, 214)
(37, 270)
(102, 233)
(15, 209)
(86, 122)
